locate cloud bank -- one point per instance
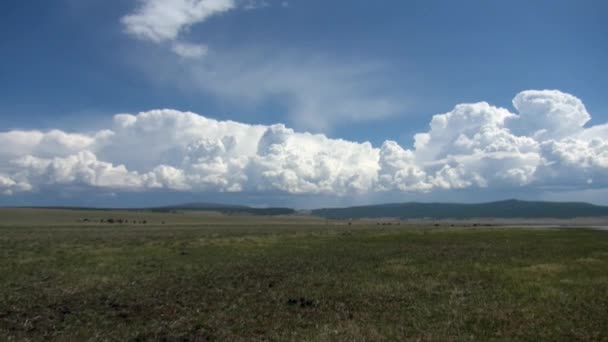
(544, 145)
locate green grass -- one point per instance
(243, 279)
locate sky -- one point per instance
(302, 103)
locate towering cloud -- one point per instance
(545, 144)
(549, 114)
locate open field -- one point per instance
(212, 277)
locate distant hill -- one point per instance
(501, 209)
(200, 206)
(225, 209)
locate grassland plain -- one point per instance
(210, 277)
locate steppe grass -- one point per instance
(317, 282)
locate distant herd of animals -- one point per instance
(350, 222)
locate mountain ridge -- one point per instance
(510, 208)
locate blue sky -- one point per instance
(353, 70)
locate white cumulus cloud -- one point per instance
(473, 146)
(548, 114)
(164, 20)
(167, 21)
(312, 163)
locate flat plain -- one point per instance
(65, 275)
